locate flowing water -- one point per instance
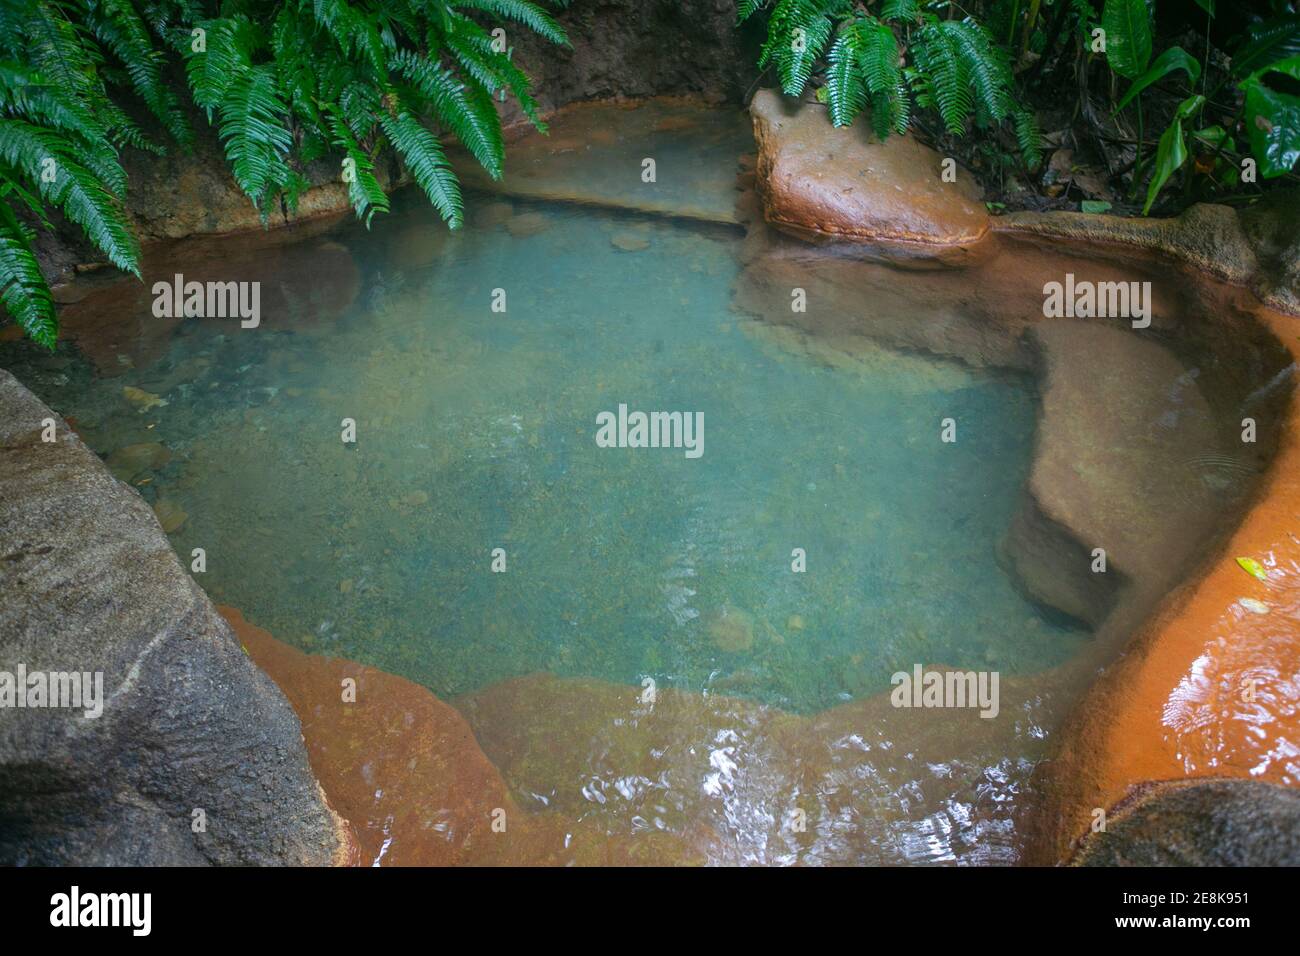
(476, 532)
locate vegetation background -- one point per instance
(1129, 106)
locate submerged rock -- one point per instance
(130, 461)
(731, 630)
(141, 399)
(527, 224)
(187, 723)
(406, 769)
(1257, 247)
(628, 242)
(169, 514)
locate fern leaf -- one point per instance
(74, 190)
(228, 54)
(252, 127)
(946, 88)
(471, 47)
(120, 28)
(846, 94)
(364, 191)
(475, 122)
(900, 10)
(423, 155)
(529, 14)
(23, 291)
(25, 95)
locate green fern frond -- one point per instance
(23, 291)
(945, 88)
(529, 14)
(983, 63)
(475, 122)
(252, 128)
(900, 10)
(423, 156)
(120, 28)
(352, 29)
(25, 95)
(364, 192)
(471, 47)
(846, 93)
(74, 189)
(798, 31)
(1028, 136)
(230, 43)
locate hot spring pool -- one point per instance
(476, 533)
(475, 431)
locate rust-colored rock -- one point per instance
(826, 184)
(1113, 468)
(1210, 688)
(406, 771)
(1257, 247)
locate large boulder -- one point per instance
(196, 757)
(1200, 823)
(826, 185)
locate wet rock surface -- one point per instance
(826, 184)
(1105, 457)
(1211, 823)
(585, 771)
(1257, 247)
(597, 153)
(188, 722)
(406, 770)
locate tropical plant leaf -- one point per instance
(1128, 36)
(1273, 119)
(1267, 42)
(1171, 153)
(1173, 59)
(23, 291)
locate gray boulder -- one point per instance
(89, 583)
(1200, 823)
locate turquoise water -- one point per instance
(476, 431)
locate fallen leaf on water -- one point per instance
(1253, 568)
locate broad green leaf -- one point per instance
(1094, 206)
(1267, 43)
(1128, 36)
(1213, 136)
(1273, 119)
(1175, 58)
(1172, 151)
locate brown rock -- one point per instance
(731, 630)
(826, 184)
(406, 770)
(629, 242)
(132, 460)
(169, 514)
(527, 224)
(1257, 247)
